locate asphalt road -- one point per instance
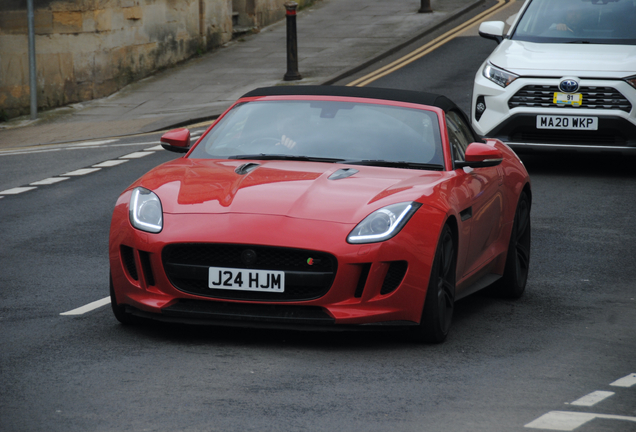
(506, 364)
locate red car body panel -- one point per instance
(293, 204)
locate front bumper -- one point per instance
(512, 118)
(357, 296)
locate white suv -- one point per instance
(563, 77)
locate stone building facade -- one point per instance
(87, 49)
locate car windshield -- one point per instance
(328, 131)
(578, 21)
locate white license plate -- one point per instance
(567, 122)
(246, 280)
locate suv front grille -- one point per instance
(541, 96)
(187, 266)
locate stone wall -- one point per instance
(88, 49)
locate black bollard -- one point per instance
(292, 43)
(425, 7)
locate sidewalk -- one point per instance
(335, 38)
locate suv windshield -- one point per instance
(327, 130)
(578, 21)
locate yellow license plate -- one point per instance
(573, 99)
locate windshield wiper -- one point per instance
(264, 156)
(398, 164)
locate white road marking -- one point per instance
(93, 143)
(155, 148)
(626, 381)
(59, 147)
(87, 308)
(81, 172)
(17, 190)
(23, 152)
(49, 181)
(110, 163)
(141, 143)
(568, 421)
(135, 155)
(592, 398)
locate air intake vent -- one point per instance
(362, 281)
(343, 173)
(144, 258)
(246, 168)
(394, 276)
(128, 258)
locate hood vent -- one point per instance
(246, 168)
(343, 173)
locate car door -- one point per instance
(481, 203)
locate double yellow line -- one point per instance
(425, 49)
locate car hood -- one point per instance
(550, 59)
(287, 188)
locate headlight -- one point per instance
(631, 81)
(145, 211)
(383, 224)
(498, 76)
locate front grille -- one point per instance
(187, 265)
(542, 96)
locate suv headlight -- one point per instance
(631, 81)
(498, 76)
(145, 211)
(383, 223)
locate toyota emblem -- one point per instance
(569, 85)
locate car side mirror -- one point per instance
(480, 155)
(492, 30)
(177, 140)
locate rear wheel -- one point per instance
(513, 282)
(440, 297)
(119, 311)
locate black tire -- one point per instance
(119, 311)
(513, 282)
(440, 297)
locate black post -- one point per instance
(33, 86)
(426, 7)
(292, 43)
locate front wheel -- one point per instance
(513, 282)
(440, 297)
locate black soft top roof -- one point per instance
(409, 96)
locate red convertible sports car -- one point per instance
(319, 207)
